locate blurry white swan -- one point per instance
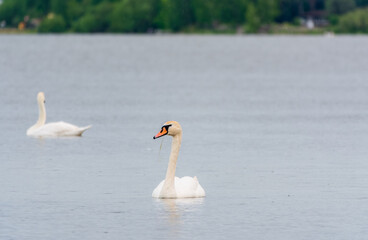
(174, 187)
(55, 129)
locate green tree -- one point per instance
(95, 20)
(289, 10)
(203, 12)
(13, 11)
(230, 11)
(86, 24)
(74, 10)
(339, 6)
(354, 22)
(59, 7)
(267, 10)
(361, 3)
(162, 20)
(174, 14)
(38, 8)
(53, 23)
(132, 16)
(253, 22)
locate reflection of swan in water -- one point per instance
(56, 129)
(176, 204)
(174, 209)
(174, 187)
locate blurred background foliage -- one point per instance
(141, 16)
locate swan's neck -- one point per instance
(41, 117)
(168, 189)
(42, 114)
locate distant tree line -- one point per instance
(175, 15)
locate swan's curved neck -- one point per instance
(168, 189)
(42, 114)
(41, 117)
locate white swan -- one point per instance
(174, 187)
(56, 129)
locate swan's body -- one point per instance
(55, 129)
(174, 187)
(185, 187)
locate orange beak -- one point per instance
(163, 132)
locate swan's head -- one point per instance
(170, 128)
(41, 97)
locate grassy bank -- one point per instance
(16, 31)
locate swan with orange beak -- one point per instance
(172, 186)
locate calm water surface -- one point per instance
(275, 128)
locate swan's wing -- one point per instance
(57, 129)
(82, 129)
(187, 187)
(200, 191)
(157, 191)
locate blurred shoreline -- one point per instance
(280, 29)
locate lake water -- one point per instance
(275, 129)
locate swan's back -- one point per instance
(58, 129)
